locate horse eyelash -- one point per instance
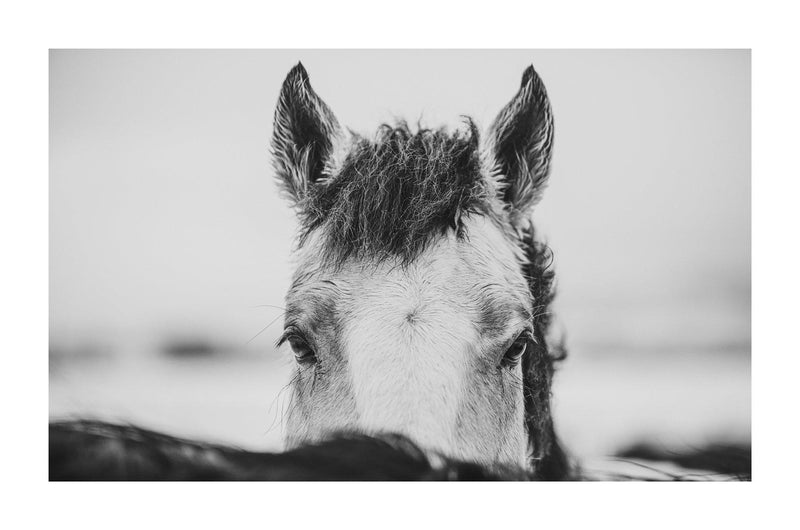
(526, 332)
(289, 332)
(286, 335)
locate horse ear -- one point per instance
(520, 141)
(304, 133)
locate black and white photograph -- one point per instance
(389, 265)
(416, 265)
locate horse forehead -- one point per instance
(478, 276)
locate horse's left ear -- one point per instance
(520, 141)
(304, 133)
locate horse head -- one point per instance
(419, 301)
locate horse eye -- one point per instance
(303, 353)
(516, 351)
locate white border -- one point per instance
(29, 29)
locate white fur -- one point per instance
(409, 348)
(411, 339)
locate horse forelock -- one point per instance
(392, 196)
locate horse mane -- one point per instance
(548, 458)
(395, 194)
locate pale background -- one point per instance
(166, 228)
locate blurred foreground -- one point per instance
(92, 450)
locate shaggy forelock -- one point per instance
(395, 194)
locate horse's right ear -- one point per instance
(303, 137)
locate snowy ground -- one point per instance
(602, 403)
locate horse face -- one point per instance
(409, 311)
(430, 349)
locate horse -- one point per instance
(420, 301)
(418, 318)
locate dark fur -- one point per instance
(538, 366)
(303, 134)
(522, 141)
(397, 193)
(91, 450)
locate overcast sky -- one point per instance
(164, 216)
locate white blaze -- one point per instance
(409, 347)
